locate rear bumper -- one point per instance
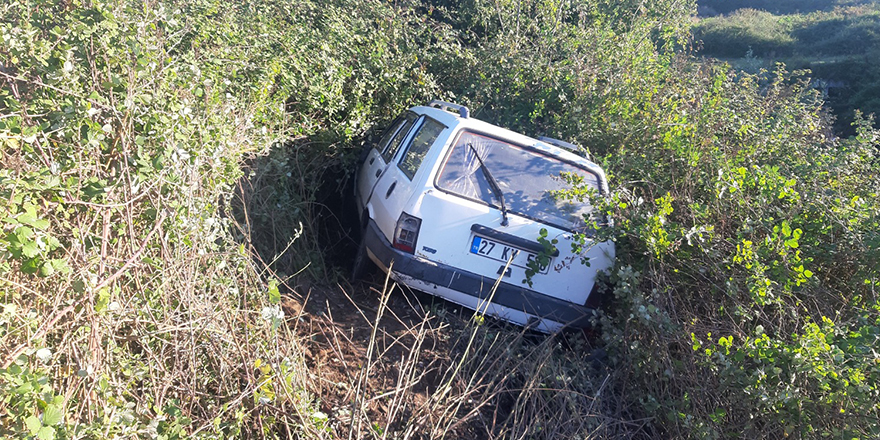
(508, 295)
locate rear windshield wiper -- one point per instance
(494, 184)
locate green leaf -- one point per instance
(31, 266)
(274, 294)
(46, 433)
(786, 229)
(718, 415)
(33, 424)
(52, 243)
(103, 300)
(30, 249)
(60, 265)
(24, 233)
(30, 218)
(52, 415)
(46, 269)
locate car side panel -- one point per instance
(396, 192)
(393, 190)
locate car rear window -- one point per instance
(527, 179)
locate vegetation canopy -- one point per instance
(168, 169)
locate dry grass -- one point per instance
(384, 366)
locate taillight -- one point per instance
(407, 232)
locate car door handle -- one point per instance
(378, 172)
(372, 160)
(391, 189)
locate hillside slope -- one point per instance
(838, 45)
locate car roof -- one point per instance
(455, 121)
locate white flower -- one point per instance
(319, 415)
(272, 312)
(44, 355)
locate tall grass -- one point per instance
(462, 376)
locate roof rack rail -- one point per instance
(560, 144)
(448, 106)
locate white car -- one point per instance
(457, 204)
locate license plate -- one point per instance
(502, 252)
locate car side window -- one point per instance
(389, 133)
(391, 149)
(419, 147)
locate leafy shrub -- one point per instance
(132, 304)
(745, 297)
(123, 130)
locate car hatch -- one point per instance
(466, 227)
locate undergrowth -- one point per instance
(161, 164)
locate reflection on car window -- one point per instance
(527, 179)
(389, 133)
(419, 147)
(392, 147)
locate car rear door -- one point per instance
(378, 157)
(396, 185)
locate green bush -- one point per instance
(737, 214)
(124, 128)
(132, 305)
(745, 300)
